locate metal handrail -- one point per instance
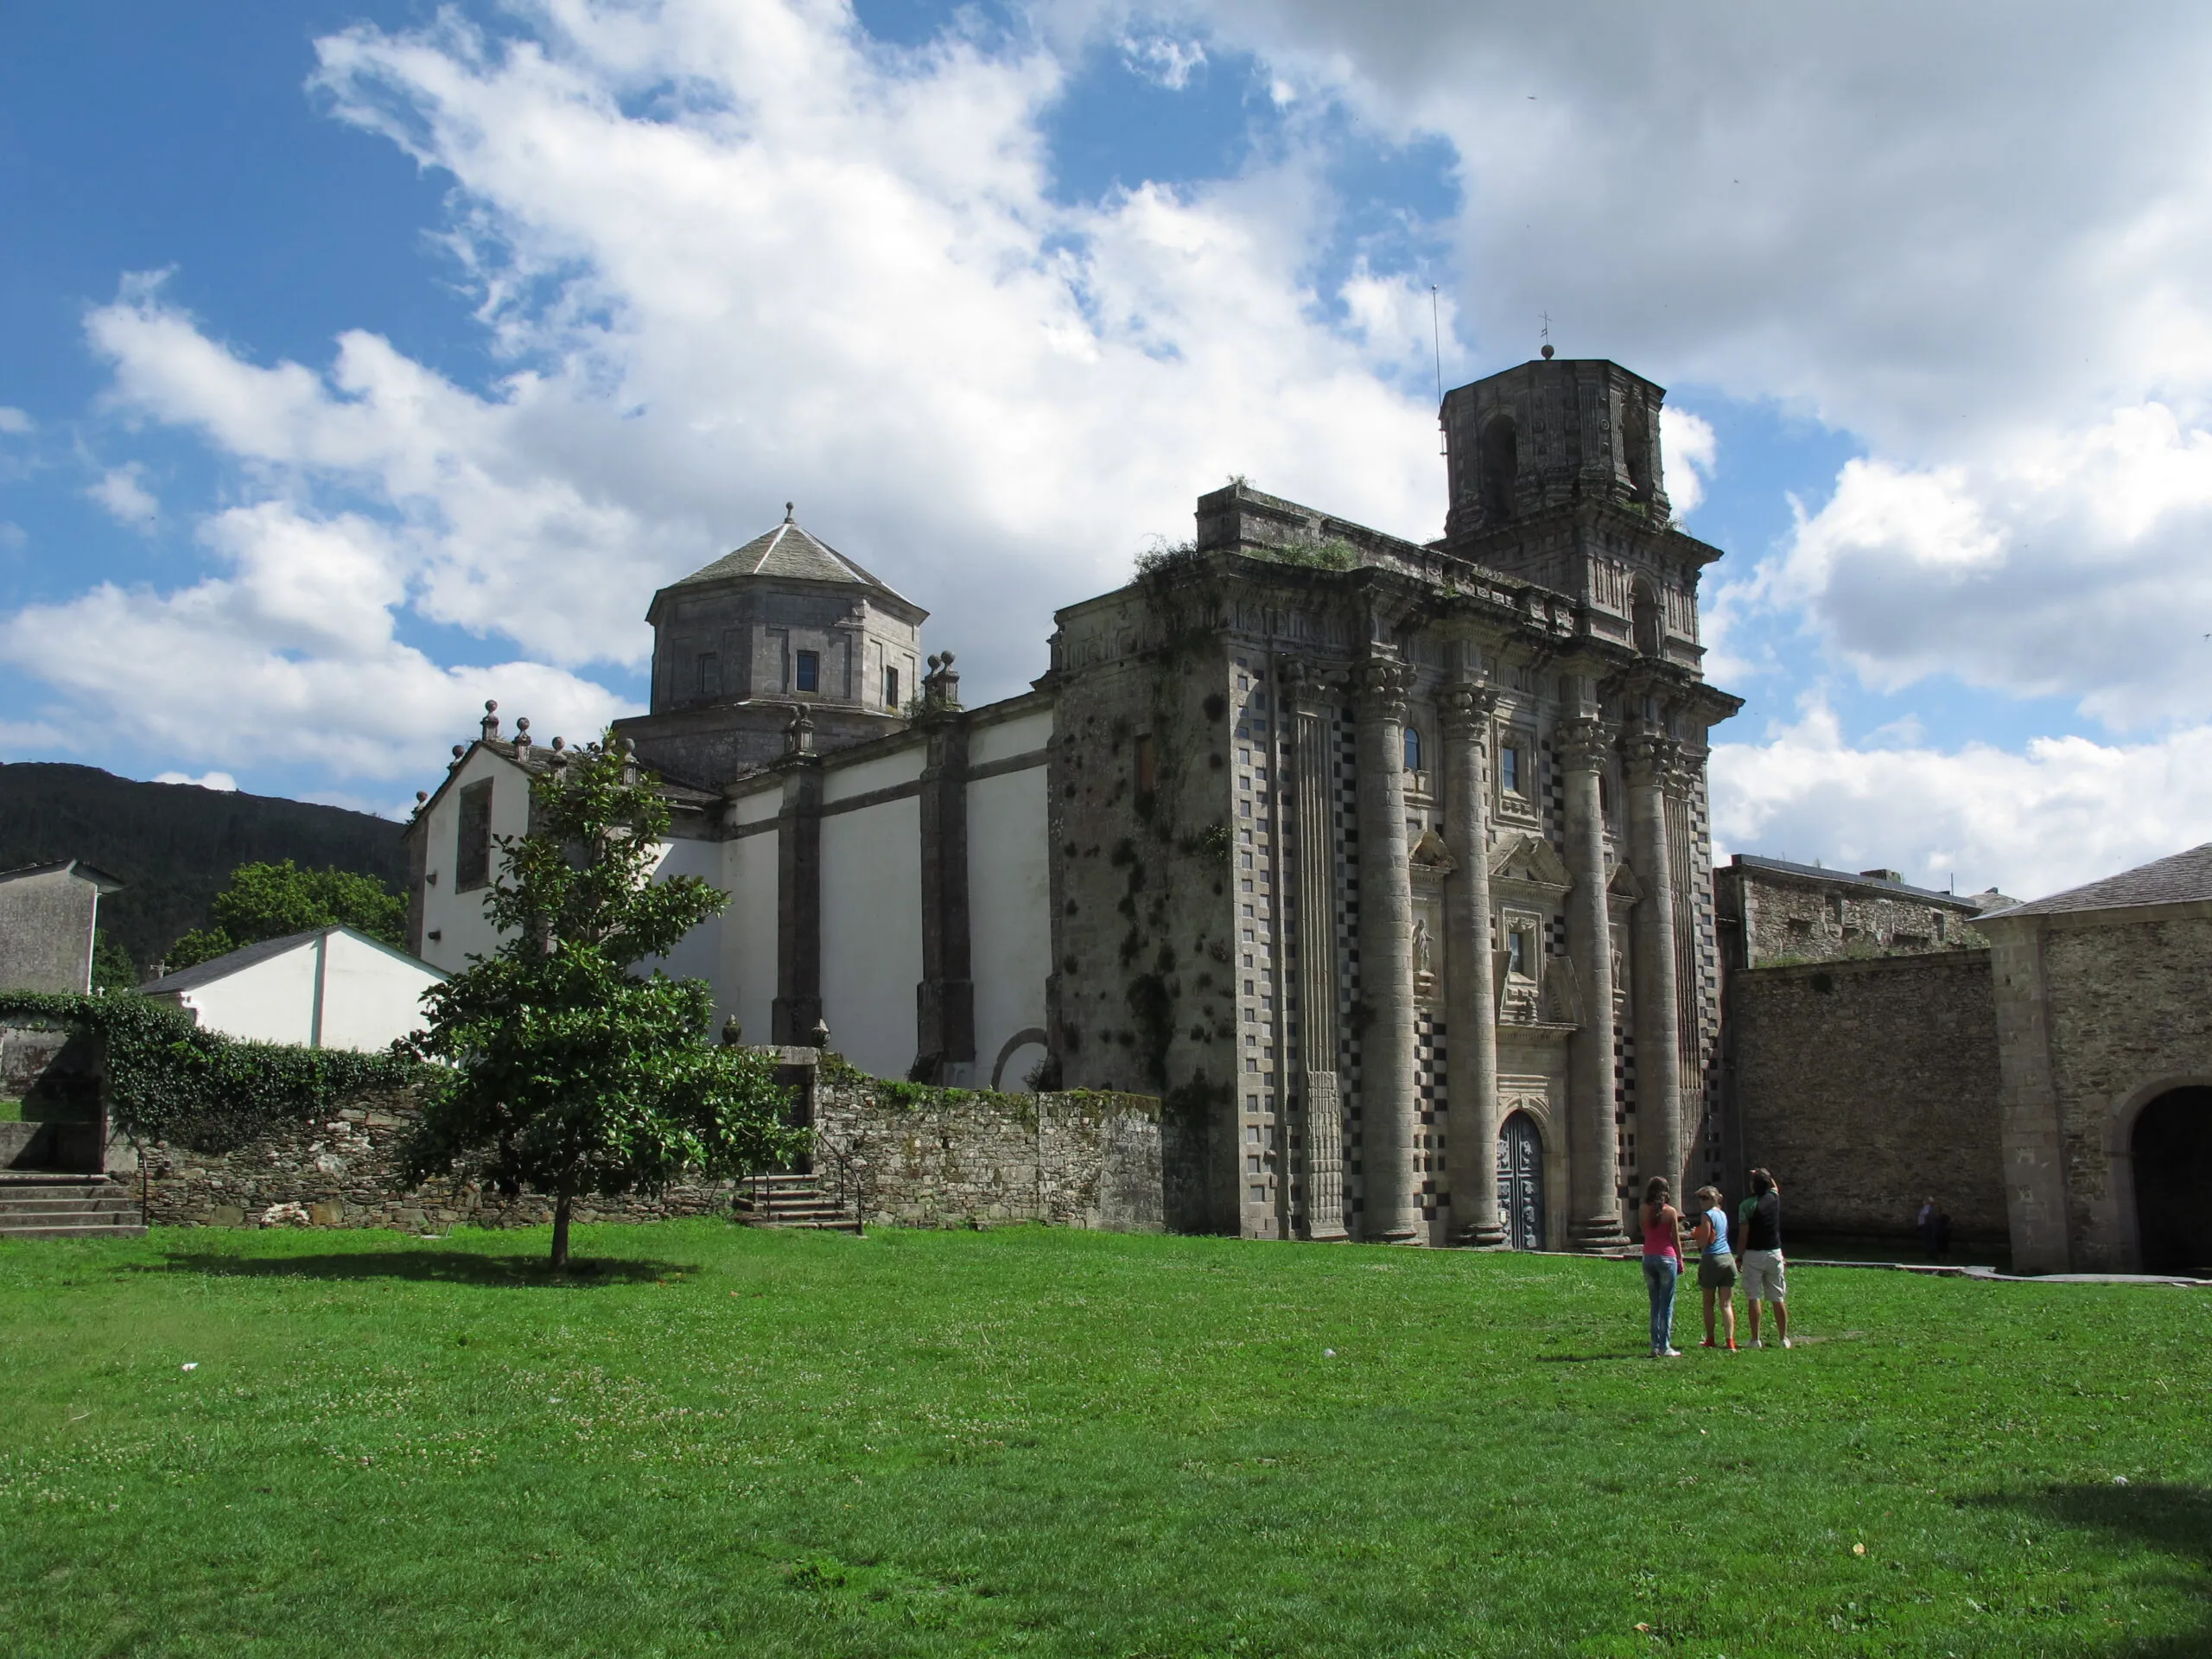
(849, 1172)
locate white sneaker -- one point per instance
(1785, 1342)
(1672, 1353)
(1758, 1342)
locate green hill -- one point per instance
(176, 844)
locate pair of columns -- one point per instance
(1388, 1089)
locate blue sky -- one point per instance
(360, 361)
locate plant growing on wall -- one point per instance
(169, 1080)
(568, 1072)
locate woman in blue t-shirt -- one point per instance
(1716, 1266)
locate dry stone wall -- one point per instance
(953, 1159)
(1866, 1086)
(949, 1158)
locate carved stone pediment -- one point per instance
(1623, 889)
(1530, 865)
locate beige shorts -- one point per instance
(1761, 1276)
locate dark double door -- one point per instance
(1520, 1182)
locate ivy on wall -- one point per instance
(169, 1080)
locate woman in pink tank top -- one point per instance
(1662, 1262)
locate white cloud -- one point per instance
(15, 422)
(1690, 450)
(2066, 811)
(127, 500)
(1163, 60)
(290, 657)
(221, 781)
(820, 269)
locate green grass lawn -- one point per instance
(1040, 1442)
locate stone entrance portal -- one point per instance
(2172, 1156)
(1520, 1182)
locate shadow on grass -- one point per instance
(436, 1267)
(1587, 1359)
(2176, 1520)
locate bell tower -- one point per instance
(1556, 476)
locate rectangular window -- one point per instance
(472, 857)
(891, 688)
(1517, 953)
(1509, 770)
(710, 674)
(1148, 761)
(806, 671)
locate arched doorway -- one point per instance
(1520, 1182)
(2172, 1151)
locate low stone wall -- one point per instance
(948, 1158)
(344, 1172)
(1866, 1086)
(914, 1157)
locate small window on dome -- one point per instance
(806, 671)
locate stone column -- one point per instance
(1471, 1000)
(1388, 1094)
(1593, 1161)
(1315, 823)
(1658, 1022)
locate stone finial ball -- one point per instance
(458, 751)
(491, 705)
(1548, 353)
(948, 660)
(522, 723)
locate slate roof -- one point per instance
(224, 966)
(2178, 880)
(786, 551)
(100, 878)
(1851, 878)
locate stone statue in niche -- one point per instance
(1424, 959)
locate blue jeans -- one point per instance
(1660, 1273)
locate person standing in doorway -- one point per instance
(1662, 1262)
(1716, 1263)
(1762, 1258)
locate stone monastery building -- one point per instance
(1384, 864)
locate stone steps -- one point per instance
(793, 1201)
(44, 1203)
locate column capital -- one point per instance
(1309, 688)
(1582, 745)
(1382, 685)
(1468, 706)
(1652, 760)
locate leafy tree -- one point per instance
(112, 968)
(268, 901)
(568, 1072)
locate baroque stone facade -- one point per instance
(1384, 864)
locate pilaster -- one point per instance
(797, 1007)
(1594, 1161)
(1388, 1090)
(1321, 1130)
(1651, 765)
(945, 1001)
(1470, 1002)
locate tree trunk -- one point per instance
(561, 1207)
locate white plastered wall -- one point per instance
(872, 932)
(698, 954)
(272, 1000)
(1009, 897)
(456, 919)
(370, 995)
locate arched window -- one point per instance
(1413, 749)
(1499, 459)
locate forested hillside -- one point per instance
(176, 844)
